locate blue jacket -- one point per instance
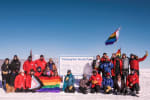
(106, 67)
(69, 82)
(107, 82)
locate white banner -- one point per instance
(78, 65)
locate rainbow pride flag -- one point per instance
(118, 53)
(50, 84)
(113, 37)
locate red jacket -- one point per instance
(104, 59)
(134, 64)
(38, 74)
(96, 78)
(114, 63)
(28, 65)
(28, 81)
(20, 82)
(40, 63)
(132, 79)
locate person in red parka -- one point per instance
(28, 65)
(134, 62)
(20, 82)
(32, 78)
(38, 72)
(132, 82)
(41, 63)
(96, 81)
(117, 69)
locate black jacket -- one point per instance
(11, 78)
(5, 68)
(117, 88)
(15, 66)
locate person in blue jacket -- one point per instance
(106, 67)
(107, 84)
(69, 81)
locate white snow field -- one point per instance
(144, 93)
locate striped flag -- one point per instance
(113, 37)
(118, 53)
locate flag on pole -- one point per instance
(31, 52)
(113, 37)
(118, 53)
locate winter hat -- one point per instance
(132, 54)
(94, 71)
(31, 70)
(104, 53)
(132, 70)
(123, 54)
(69, 71)
(107, 74)
(41, 55)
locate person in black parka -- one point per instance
(5, 73)
(15, 65)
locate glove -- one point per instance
(131, 84)
(67, 78)
(108, 89)
(146, 53)
(70, 87)
(94, 82)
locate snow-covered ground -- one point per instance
(144, 93)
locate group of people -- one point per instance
(118, 75)
(16, 80)
(115, 74)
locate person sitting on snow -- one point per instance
(32, 79)
(119, 85)
(20, 82)
(108, 84)
(132, 82)
(83, 87)
(96, 81)
(69, 81)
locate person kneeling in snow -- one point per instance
(69, 81)
(32, 82)
(83, 87)
(96, 81)
(20, 82)
(132, 82)
(119, 86)
(107, 84)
